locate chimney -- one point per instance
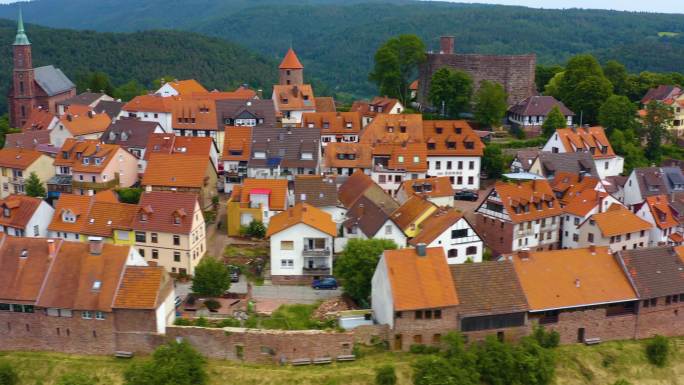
(95, 245)
(421, 248)
(69, 117)
(577, 282)
(446, 44)
(91, 114)
(260, 93)
(524, 254)
(592, 249)
(52, 248)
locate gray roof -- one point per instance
(572, 162)
(52, 80)
(284, 147)
(527, 157)
(245, 109)
(84, 98)
(129, 133)
(317, 191)
(539, 106)
(654, 272)
(659, 180)
(27, 139)
(111, 107)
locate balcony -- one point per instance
(16, 180)
(97, 186)
(525, 232)
(317, 270)
(308, 252)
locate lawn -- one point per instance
(577, 365)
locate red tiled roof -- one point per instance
(393, 128)
(340, 123)
(294, 97)
(439, 222)
(277, 187)
(38, 119)
(302, 213)
(163, 143)
(21, 278)
(149, 103)
(237, 143)
(21, 209)
(176, 170)
(140, 287)
(85, 124)
(526, 195)
(187, 87)
(18, 158)
(619, 220)
(161, 209)
(662, 212)
(586, 139)
(438, 187)
(451, 138)
(290, 61)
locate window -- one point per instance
(471, 180)
(286, 245)
(176, 256)
(286, 263)
(448, 165)
(397, 314)
(86, 314)
(419, 314)
(438, 314)
(35, 231)
(140, 236)
(459, 233)
(452, 253)
(99, 315)
(460, 165)
(154, 237)
(471, 250)
(388, 229)
(155, 254)
(176, 240)
(438, 165)
(471, 165)
(590, 237)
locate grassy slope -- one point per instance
(577, 365)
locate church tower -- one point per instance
(22, 94)
(291, 69)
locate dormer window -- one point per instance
(65, 155)
(97, 285)
(458, 130)
(306, 97)
(259, 155)
(284, 100)
(176, 220)
(98, 161)
(143, 217)
(349, 125)
(416, 159)
(371, 108)
(431, 146)
(6, 212)
(400, 159)
(351, 156)
(79, 155)
(438, 130)
(469, 145)
(538, 205)
(86, 160)
(379, 109)
(451, 144)
(340, 156)
(307, 156)
(390, 129)
(326, 125)
(310, 125)
(550, 204)
(402, 129)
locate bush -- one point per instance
(622, 381)
(174, 363)
(546, 339)
(129, 195)
(256, 229)
(212, 278)
(423, 349)
(385, 375)
(182, 322)
(228, 322)
(8, 376)
(201, 322)
(212, 304)
(658, 350)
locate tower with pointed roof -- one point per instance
(22, 92)
(291, 69)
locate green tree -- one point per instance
(658, 351)
(157, 83)
(535, 365)
(129, 194)
(8, 375)
(626, 143)
(34, 187)
(396, 65)
(76, 378)
(212, 278)
(584, 87)
(617, 113)
(96, 82)
(618, 76)
(545, 73)
(129, 90)
(436, 370)
(654, 128)
(490, 104)
(5, 129)
(494, 161)
(174, 363)
(385, 375)
(356, 265)
(450, 91)
(496, 362)
(553, 121)
(545, 339)
(552, 88)
(256, 229)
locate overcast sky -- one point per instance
(668, 6)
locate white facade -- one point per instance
(346, 138)
(165, 119)
(167, 90)
(36, 226)
(301, 250)
(460, 243)
(381, 295)
(391, 180)
(605, 166)
(533, 120)
(632, 191)
(59, 134)
(463, 171)
(570, 223)
(388, 230)
(656, 234)
(166, 312)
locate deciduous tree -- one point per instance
(584, 87)
(553, 121)
(8, 375)
(396, 65)
(356, 265)
(450, 91)
(654, 129)
(617, 113)
(175, 363)
(212, 278)
(490, 104)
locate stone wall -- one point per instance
(515, 72)
(496, 237)
(595, 324)
(264, 346)
(663, 319)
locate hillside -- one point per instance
(143, 56)
(336, 40)
(576, 365)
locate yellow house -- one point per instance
(255, 199)
(16, 164)
(411, 214)
(78, 217)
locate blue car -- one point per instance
(325, 283)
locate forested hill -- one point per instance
(336, 40)
(140, 56)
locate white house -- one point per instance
(531, 112)
(25, 216)
(379, 105)
(577, 209)
(587, 139)
(450, 230)
(437, 191)
(181, 87)
(666, 228)
(651, 181)
(301, 244)
(370, 218)
(453, 150)
(150, 108)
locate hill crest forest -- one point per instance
(336, 40)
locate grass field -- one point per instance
(577, 365)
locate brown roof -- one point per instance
(410, 211)
(18, 158)
(434, 226)
(429, 187)
(21, 278)
(410, 156)
(451, 138)
(290, 61)
(539, 105)
(176, 170)
(572, 162)
(129, 133)
(519, 196)
(21, 210)
(79, 205)
(277, 187)
(333, 123)
(488, 288)
(71, 283)
(572, 278)
(584, 201)
(294, 97)
(353, 188)
(285, 147)
(371, 210)
(163, 143)
(140, 287)
(420, 282)
(161, 209)
(378, 105)
(240, 93)
(315, 190)
(527, 157)
(27, 139)
(104, 217)
(661, 93)
(655, 272)
(78, 149)
(88, 123)
(302, 213)
(619, 220)
(586, 139)
(663, 214)
(39, 119)
(348, 155)
(325, 104)
(393, 128)
(237, 143)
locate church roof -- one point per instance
(52, 80)
(291, 62)
(21, 38)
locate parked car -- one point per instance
(324, 283)
(466, 195)
(178, 301)
(234, 274)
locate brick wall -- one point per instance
(135, 320)
(499, 239)
(265, 346)
(595, 324)
(368, 334)
(663, 319)
(515, 72)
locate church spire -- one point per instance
(21, 38)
